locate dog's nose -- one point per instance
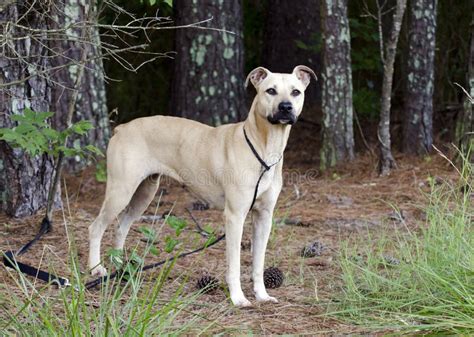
(285, 107)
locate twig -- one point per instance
(471, 99)
(196, 222)
(59, 164)
(364, 140)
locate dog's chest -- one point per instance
(265, 182)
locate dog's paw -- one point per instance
(99, 271)
(241, 302)
(265, 298)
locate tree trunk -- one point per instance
(208, 70)
(386, 161)
(91, 102)
(292, 37)
(25, 181)
(465, 122)
(337, 128)
(418, 121)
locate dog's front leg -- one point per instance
(261, 228)
(234, 224)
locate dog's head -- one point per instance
(280, 97)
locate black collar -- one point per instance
(264, 164)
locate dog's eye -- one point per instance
(295, 92)
(271, 91)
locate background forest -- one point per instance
(378, 168)
(387, 80)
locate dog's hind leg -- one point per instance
(117, 197)
(140, 201)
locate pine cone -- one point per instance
(207, 284)
(273, 278)
(314, 249)
(390, 260)
(200, 206)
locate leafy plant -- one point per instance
(35, 136)
(366, 101)
(101, 172)
(366, 66)
(176, 223)
(126, 306)
(129, 265)
(170, 244)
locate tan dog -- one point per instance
(218, 164)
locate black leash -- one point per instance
(9, 260)
(102, 279)
(265, 166)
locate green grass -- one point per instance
(431, 289)
(126, 306)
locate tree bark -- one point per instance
(25, 180)
(465, 121)
(386, 161)
(418, 121)
(292, 37)
(91, 101)
(208, 69)
(337, 126)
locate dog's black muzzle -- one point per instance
(284, 115)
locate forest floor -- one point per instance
(350, 202)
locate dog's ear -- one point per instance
(256, 76)
(304, 74)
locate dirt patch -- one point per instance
(346, 202)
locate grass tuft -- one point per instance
(419, 280)
(129, 305)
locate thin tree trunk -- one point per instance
(337, 131)
(465, 121)
(208, 69)
(91, 102)
(292, 38)
(386, 161)
(418, 121)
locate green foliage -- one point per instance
(148, 233)
(176, 223)
(253, 17)
(366, 102)
(364, 32)
(128, 305)
(101, 172)
(159, 2)
(367, 67)
(129, 265)
(315, 45)
(170, 244)
(35, 136)
(431, 287)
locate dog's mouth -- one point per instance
(282, 118)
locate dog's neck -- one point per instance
(268, 139)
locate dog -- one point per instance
(235, 167)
